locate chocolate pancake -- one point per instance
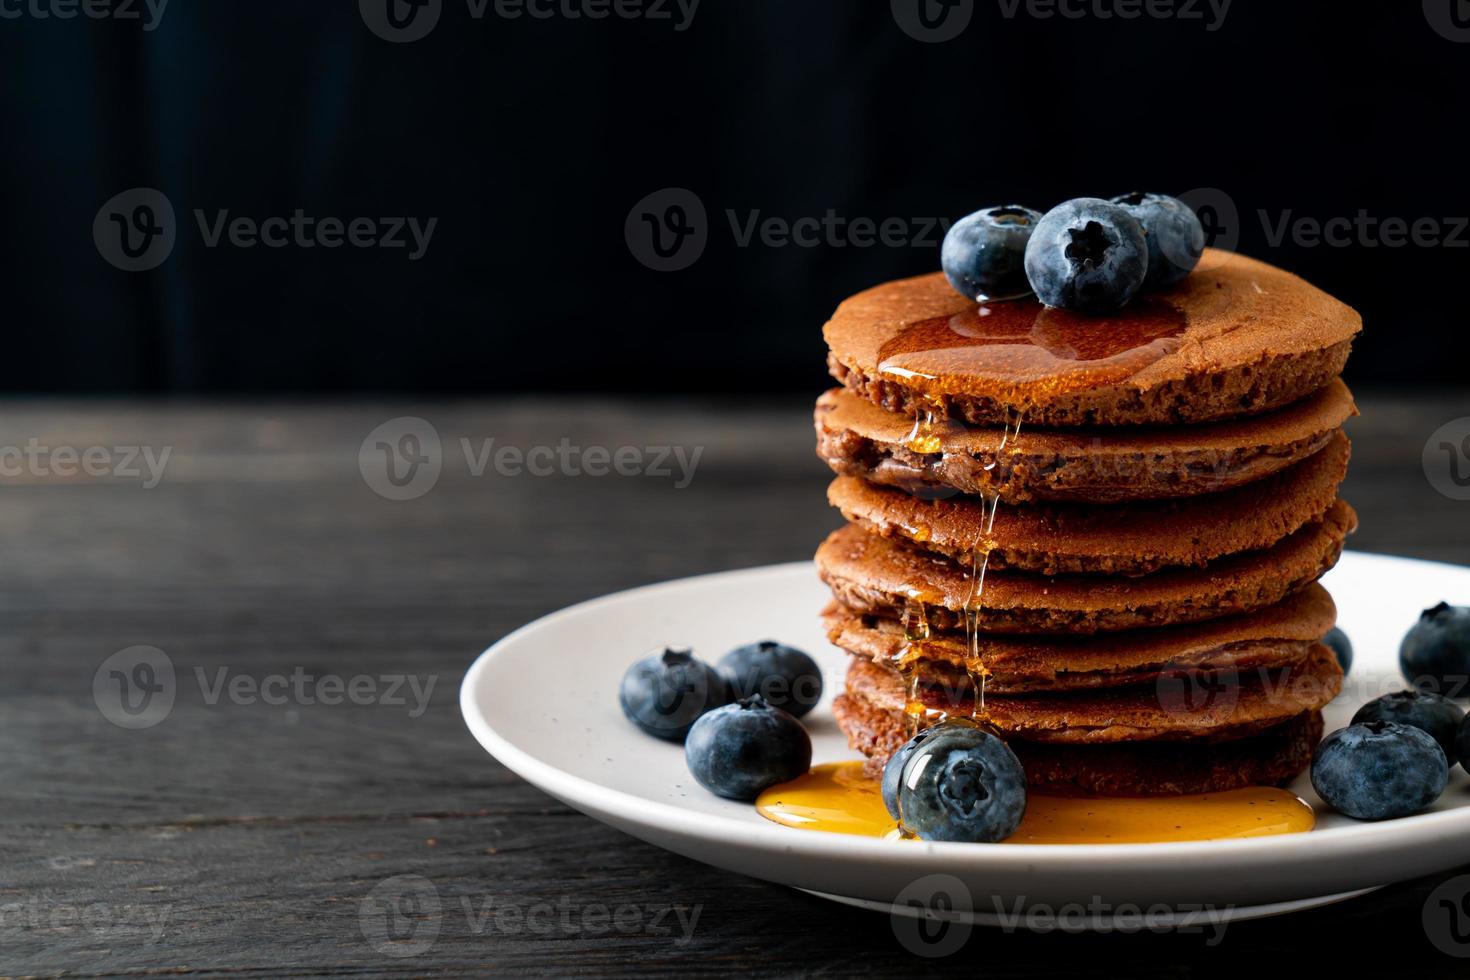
(1237, 337)
(1268, 638)
(1125, 539)
(1176, 707)
(857, 438)
(873, 575)
(1271, 758)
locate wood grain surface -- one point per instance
(236, 838)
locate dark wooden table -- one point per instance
(245, 838)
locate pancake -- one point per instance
(1126, 539)
(1272, 758)
(1237, 337)
(1175, 707)
(870, 574)
(1269, 638)
(857, 438)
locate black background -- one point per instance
(531, 139)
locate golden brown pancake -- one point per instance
(1125, 539)
(1237, 337)
(873, 575)
(857, 438)
(1178, 706)
(1271, 758)
(1268, 638)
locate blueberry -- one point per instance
(893, 770)
(1379, 770)
(1087, 255)
(785, 676)
(1342, 646)
(746, 747)
(984, 254)
(1429, 712)
(1435, 653)
(1176, 239)
(665, 694)
(962, 784)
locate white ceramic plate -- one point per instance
(587, 755)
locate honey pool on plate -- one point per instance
(837, 797)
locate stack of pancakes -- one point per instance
(1100, 536)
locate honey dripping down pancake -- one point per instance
(860, 439)
(1238, 337)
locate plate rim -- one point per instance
(669, 818)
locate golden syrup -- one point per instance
(1022, 342)
(915, 631)
(926, 436)
(979, 563)
(838, 798)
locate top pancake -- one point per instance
(1235, 338)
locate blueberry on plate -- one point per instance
(1435, 653)
(893, 769)
(1342, 646)
(746, 747)
(664, 694)
(1462, 743)
(962, 784)
(1431, 713)
(1379, 770)
(1087, 255)
(785, 676)
(984, 254)
(1176, 239)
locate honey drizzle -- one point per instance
(979, 562)
(925, 436)
(915, 632)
